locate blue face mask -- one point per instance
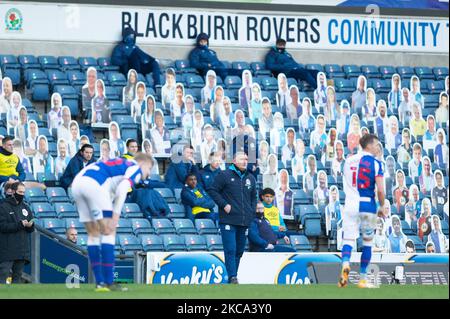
(204, 47)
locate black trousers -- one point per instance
(15, 266)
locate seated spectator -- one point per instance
(424, 222)
(105, 151)
(179, 169)
(306, 122)
(343, 122)
(294, 109)
(430, 137)
(72, 235)
(385, 215)
(266, 120)
(319, 136)
(271, 211)
(63, 159)
(216, 107)
(255, 110)
(262, 237)
(298, 163)
(11, 168)
(354, 134)
(89, 89)
(132, 149)
(84, 140)
(417, 124)
(129, 90)
(278, 60)
(284, 199)
(24, 160)
(283, 97)
(405, 108)
(226, 119)
(160, 136)
(337, 165)
(31, 143)
(83, 158)
(439, 193)
(277, 133)
(332, 210)
(389, 174)
(369, 110)
(177, 107)
(381, 122)
(196, 200)
(54, 116)
(138, 104)
(393, 138)
(210, 171)
(245, 92)
(404, 152)
(263, 156)
(309, 179)
(5, 97)
(43, 162)
(204, 59)
(12, 117)
(415, 95)
(437, 237)
(401, 192)
(359, 96)
(168, 89)
(380, 240)
(239, 124)
(74, 142)
(415, 164)
(441, 149)
(207, 92)
(442, 111)
(288, 150)
(332, 109)
(187, 118)
(429, 248)
(21, 129)
(208, 145)
(320, 93)
(426, 178)
(394, 96)
(63, 131)
(127, 55)
(321, 193)
(148, 117)
(147, 148)
(397, 240)
(100, 105)
(413, 206)
(270, 176)
(328, 152)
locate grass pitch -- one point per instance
(58, 291)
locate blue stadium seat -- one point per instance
(151, 242)
(184, 67)
(240, 65)
(440, 73)
(43, 210)
(351, 70)
(47, 178)
(35, 195)
(424, 72)
(302, 198)
(436, 87)
(407, 230)
(29, 62)
(380, 85)
(405, 71)
(259, 69)
(269, 83)
(334, 71)
(173, 243)
(163, 226)
(194, 81)
(141, 226)
(214, 242)
(82, 240)
(68, 63)
(176, 211)
(9, 61)
(75, 223)
(48, 62)
(420, 247)
(370, 71)
(129, 244)
(184, 226)
(116, 79)
(56, 194)
(195, 242)
(315, 66)
(167, 194)
(76, 77)
(444, 226)
(124, 226)
(87, 61)
(300, 243)
(343, 85)
(131, 210)
(104, 64)
(65, 210)
(54, 224)
(57, 77)
(111, 93)
(233, 82)
(205, 226)
(387, 71)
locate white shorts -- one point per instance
(354, 222)
(92, 199)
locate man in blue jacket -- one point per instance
(234, 191)
(127, 55)
(81, 159)
(209, 173)
(279, 61)
(263, 238)
(178, 171)
(204, 59)
(196, 200)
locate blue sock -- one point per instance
(95, 258)
(346, 254)
(108, 258)
(365, 260)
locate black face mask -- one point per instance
(259, 215)
(19, 198)
(8, 195)
(281, 50)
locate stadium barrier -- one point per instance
(282, 268)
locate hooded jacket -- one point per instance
(14, 237)
(207, 176)
(73, 168)
(201, 56)
(280, 62)
(10, 166)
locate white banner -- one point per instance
(258, 268)
(88, 23)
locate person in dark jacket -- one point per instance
(16, 223)
(234, 192)
(261, 236)
(209, 173)
(178, 170)
(127, 55)
(81, 159)
(196, 200)
(279, 61)
(150, 201)
(204, 59)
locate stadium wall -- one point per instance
(101, 40)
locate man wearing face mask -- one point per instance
(16, 224)
(278, 60)
(204, 59)
(127, 55)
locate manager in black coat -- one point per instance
(16, 224)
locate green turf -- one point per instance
(227, 292)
